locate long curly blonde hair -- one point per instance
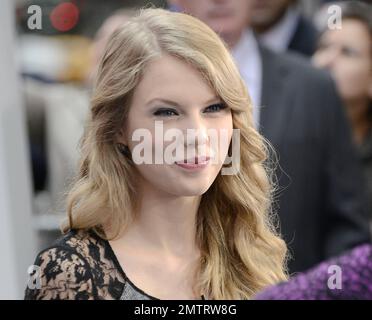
(241, 252)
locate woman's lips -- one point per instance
(194, 163)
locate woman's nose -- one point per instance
(327, 58)
(196, 131)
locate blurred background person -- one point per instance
(57, 92)
(319, 201)
(280, 25)
(109, 25)
(347, 54)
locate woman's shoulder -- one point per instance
(79, 241)
(84, 244)
(64, 269)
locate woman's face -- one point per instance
(347, 54)
(173, 95)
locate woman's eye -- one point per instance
(165, 112)
(348, 51)
(215, 107)
(322, 46)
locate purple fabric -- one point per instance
(355, 268)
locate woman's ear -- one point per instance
(122, 137)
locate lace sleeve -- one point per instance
(60, 274)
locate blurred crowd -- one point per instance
(309, 75)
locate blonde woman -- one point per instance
(180, 230)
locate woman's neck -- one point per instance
(165, 223)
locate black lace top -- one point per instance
(81, 266)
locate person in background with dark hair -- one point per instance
(280, 26)
(347, 54)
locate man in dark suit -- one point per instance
(280, 26)
(320, 200)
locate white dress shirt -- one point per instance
(248, 59)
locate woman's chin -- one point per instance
(190, 190)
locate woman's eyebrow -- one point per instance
(166, 101)
(214, 99)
